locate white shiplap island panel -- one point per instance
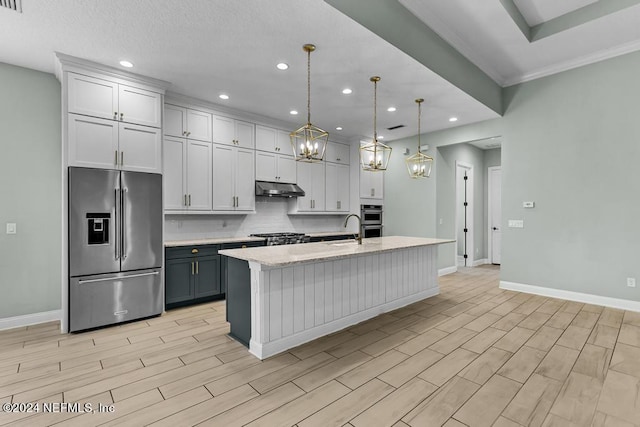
(324, 287)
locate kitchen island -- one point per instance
(288, 295)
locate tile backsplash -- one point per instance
(270, 217)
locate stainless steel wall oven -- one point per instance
(371, 220)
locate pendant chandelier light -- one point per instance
(309, 142)
(419, 164)
(375, 155)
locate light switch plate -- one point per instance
(516, 223)
(11, 228)
(528, 204)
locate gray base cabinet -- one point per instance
(192, 275)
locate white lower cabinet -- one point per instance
(275, 167)
(311, 178)
(187, 175)
(337, 188)
(106, 144)
(233, 178)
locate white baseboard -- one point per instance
(262, 351)
(621, 304)
(30, 319)
(447, 270)
(480, 262)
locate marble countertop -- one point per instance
(211, 241)
(219, 240)
(278, 256)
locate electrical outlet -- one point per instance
(11, 228)
(631, 282)
(528, 204)
(516, 223)
(440, 221)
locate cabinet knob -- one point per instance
(188, 133)
(338, 159)
(121, 116)
(244, 246)
(115, 114)
(194, 251)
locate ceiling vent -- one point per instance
(395, 127)
(12, 4)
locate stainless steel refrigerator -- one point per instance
(115, 247)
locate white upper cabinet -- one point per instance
(186, 122)
(371, 185)
(199, 176)
(233, 178)
(140, 148)
(275, 167)
(175, 178)
(311, 178)
(105, 144)
(337, 153)
(233, 132)
(273, 140)
(106, 99)
(337, 187)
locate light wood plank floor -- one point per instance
(474, 355)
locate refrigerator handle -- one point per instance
(116, 229)
(123, 195)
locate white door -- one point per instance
(304, 180)
(245, 134)
(175, 120)
(174, 150)
(495, 213)
(332, 184)
(199, 125)
(266, 164)
(245, 180)
(344, 192)
(223, 191)
(139, 106)
(92, 97)
(286, 169)
(318, 186)
(93, 142)
(223, 130)
(140, 148)
(266, 139)
(199, 180)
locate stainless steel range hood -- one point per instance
(278, 189)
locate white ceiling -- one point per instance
(207, 47)
(484, 32)
(538, 11)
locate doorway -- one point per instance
(494, 213)
(464, 214)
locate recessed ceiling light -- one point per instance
(380, 137)
(223, 96)
(347, 91)
(453, 119)
(293, 112)
(126, 64)
(339, 128)
(391, 109)
(282, 66)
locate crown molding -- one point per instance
(599, 56)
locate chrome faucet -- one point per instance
(359, 238)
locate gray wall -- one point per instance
(30, 191)
(570, 143)
(408, 203)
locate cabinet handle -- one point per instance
(192, 268)
(116, 157)
(185, 200)
(338, 207)
(184, 133)
(237, 201)
(244, 246)
(115, 115)
(189, 199)
(122, 158)
(197, 267)
(194, 251)
(373, 192)
(338, 159)
(121, 116)
(188, 133)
